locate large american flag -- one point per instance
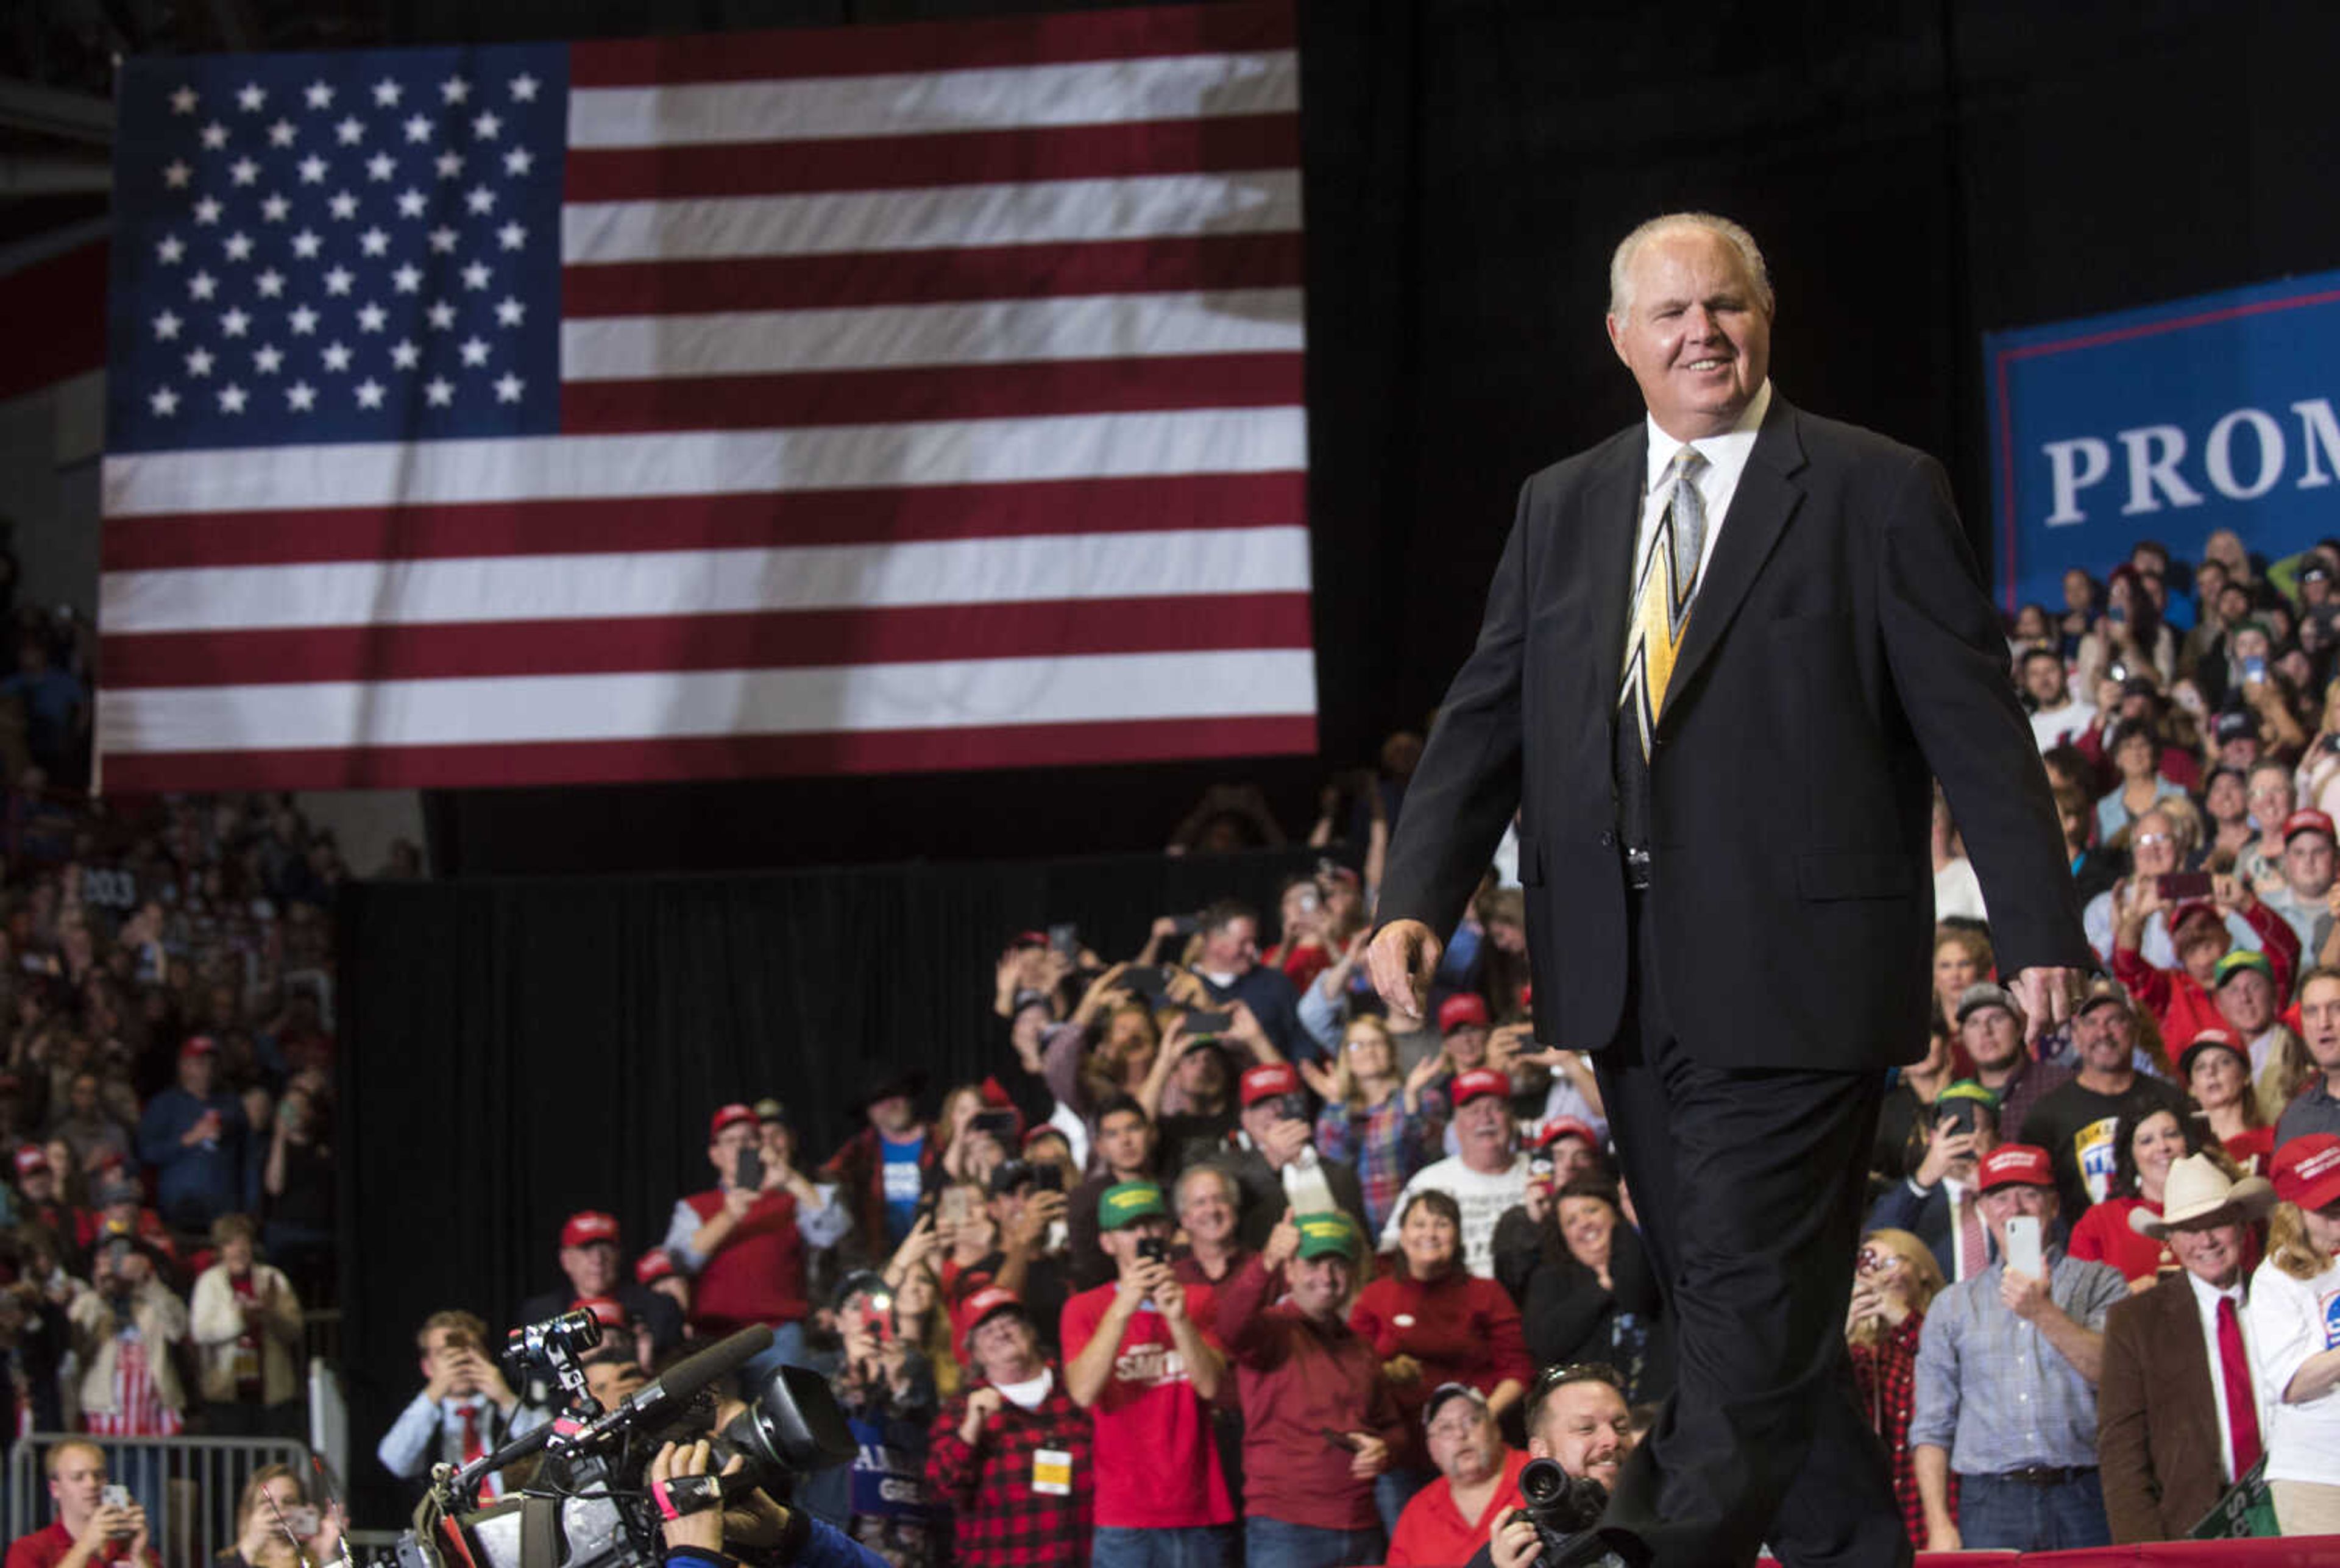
(829, 402)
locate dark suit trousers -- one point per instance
(1750, 1186)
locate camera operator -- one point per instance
(1577, 1419)
(465, 1408)
(87, 1528)
(768, 1532)
(1142, 1365)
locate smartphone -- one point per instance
(2117, 613)
(1148, 980)
(1153, 1248)
(1000, 1125)
(2025, 1254)
(1540, 1168)
(2179, 886)
(1065, 939)
(1959, 1115)
(957, 1203)
(1047, 1178)
(1337, 1439)
(1214, 1022)
(114, 1496)
(2255, 669)
(1184, 926)
(750, 1173)
(303, 1520)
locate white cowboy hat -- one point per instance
(2196, 1190)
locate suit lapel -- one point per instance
(1607, 522)
(1767, 497)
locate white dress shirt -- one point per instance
(1726, 459)
(2206, 1306)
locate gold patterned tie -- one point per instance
(1662, 597)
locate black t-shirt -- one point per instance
(2075, 1126)
(308, 1196)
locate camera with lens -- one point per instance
(588, 1503)
(1561, 1506)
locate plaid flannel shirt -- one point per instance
(1385, 1143)
(999, 1521)
(1885, 1374)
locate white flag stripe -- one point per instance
(682, 582)
(710, 462)
(947, 217)
(826, 108)
(988, 331)
(519, 709)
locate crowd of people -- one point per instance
(1222, 1259)
(166, 1110)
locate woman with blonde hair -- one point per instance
(1389, 1129)
(1895, 1280)
(2295, 1310)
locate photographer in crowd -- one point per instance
(745, 1242)
(465, 1408)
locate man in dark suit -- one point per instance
(2177, 1414)
(1723, 653)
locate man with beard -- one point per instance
(2074, 1121)
(1577, 1419)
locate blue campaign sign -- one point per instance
(2166, 422)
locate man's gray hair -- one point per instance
(1750, 256)
(1228, 1186)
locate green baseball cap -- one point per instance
(2241, 959)
(1328, 1235)
(1127, 1201)
(1967, 1089)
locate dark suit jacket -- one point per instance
(1838, 654)
(2156, 1422)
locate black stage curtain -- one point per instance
(514, 1051)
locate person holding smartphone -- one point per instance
(1141, 1358)
(745, 1242)
(2007, 1364)
(276, 1525)
(96, 1521)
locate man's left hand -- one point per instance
(2046, 996)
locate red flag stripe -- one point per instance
(769, 641)
(970, 158)
(931, 393)
(928, 277)
(704, 523)
(1140, 33)
(708, 756)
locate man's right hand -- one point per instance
(1138, 1283)
(738, 1200)
(1944, 1144)
(1516, 1544)
(106, 1523)
(981, 1406)
(1403, 956)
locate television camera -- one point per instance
(586, 1503)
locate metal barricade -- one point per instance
(188, 1485)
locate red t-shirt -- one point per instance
(1156, 1466)
(2254, 1150)
(48, 1548)
(1432, 1533)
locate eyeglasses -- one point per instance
(1552, 1377)
(1873, 1260)
(2144, 839)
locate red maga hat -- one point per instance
(588, 1226)
(1461, 1011)
(1478, 1082)
(1267, 1080)
(2307, 1170)
(2015, 1165)
(730, 1115)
